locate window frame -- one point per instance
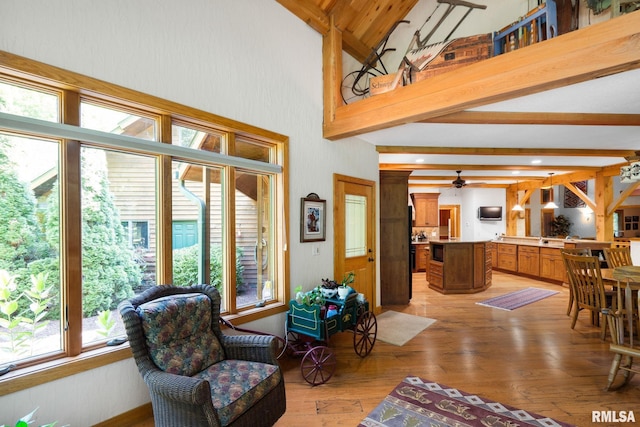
(24, 72)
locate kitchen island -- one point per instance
(459, 266)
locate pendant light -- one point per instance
(517, 207)
(551, 204)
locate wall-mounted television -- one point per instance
(490, 213)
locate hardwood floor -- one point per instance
(528, 358)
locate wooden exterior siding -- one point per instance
(133, 187)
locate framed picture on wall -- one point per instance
(627, 226)
(312, 218)
(627, 219)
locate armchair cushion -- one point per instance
(178, 333)
(237, 385)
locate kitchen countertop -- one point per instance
(538, 243)
(452, 241)
(550, 241)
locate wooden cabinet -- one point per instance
(493, 249)
(488, 266)
(422, 256)
(507, 257)
(541, 259)
(394, 238)
(426, 209)
(529, 260)
(551, 264)
(434, 275)
(463, 268)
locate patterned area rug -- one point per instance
(418, 402)
(398, 328)
(517, 299)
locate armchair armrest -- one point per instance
(178, 388)
(255, 348)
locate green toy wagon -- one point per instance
(309, 327)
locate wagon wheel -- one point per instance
(318, 365)
(355, 86)
(364, 335)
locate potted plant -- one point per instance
(309, 298)
(329, 288)
(560, 226)
(344, 289)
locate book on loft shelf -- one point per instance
(539, 24)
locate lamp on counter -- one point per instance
(517, 207)
(551, 204)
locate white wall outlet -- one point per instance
(315, 250)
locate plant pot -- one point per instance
(343, 292)
(329, 293)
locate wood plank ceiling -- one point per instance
(363, 23)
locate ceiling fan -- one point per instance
(459, 182)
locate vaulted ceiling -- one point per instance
(363, 23)
(572, 103)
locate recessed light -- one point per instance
(419, 160)
(536, 161)
(515, 173)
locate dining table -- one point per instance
(625, 277)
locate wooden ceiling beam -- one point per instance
(414, 185)
(331, 71)
(415, 166)
(354, 47)
(491, 151)
(536, 118)
(561, 61)
(474, 178)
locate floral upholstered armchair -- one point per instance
(196, 375)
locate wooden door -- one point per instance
(451, 226)
(354, 222)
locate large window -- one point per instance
(30, 285)
(129, 196)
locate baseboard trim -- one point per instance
(136, 415)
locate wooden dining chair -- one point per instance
(617, 257)
(585, 279)
(624, 324)
(574, 251)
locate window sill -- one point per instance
(22, 379)
(249, 315)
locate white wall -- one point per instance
(470, 199)
(251, 61)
